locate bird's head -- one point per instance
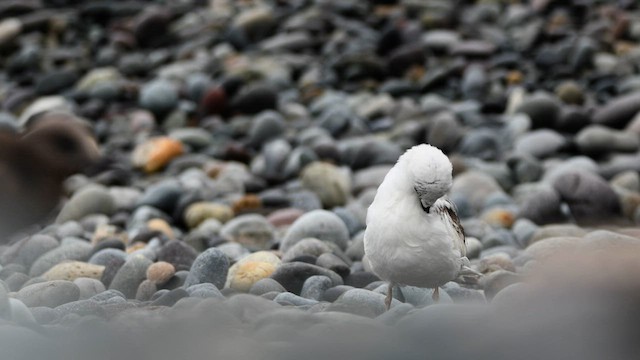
(64, 142)
(430, 172)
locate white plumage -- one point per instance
(413, 234)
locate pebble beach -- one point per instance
(242, 142)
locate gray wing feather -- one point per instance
(447, 211)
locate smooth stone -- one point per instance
(251, 269)
(523, 230)
(542, 109)
(570, 92)
(81, 307)
(370, 177)
(16, 281)
(199, 212)
(55, 82)
(293, 275)
(362, 302)
(287, 298)
(162, 196)
(89, 287)
(558, 230)
(494, 262)
(445, 132)
(548, 247)
(176, 280)
(540, 143)
(205, 291)
(70, 229)
(266, 285)
(525, 168)
(234, 251)
(178, 254)
(159, 97)
(78, 250)
(590, 198)
(73, 270)
(43, 104)
(331, 183)
(170, 298)
(482, 143)
(130, 275)
(619, 111)
(155, 153)
(498, 280)
(252, 231)
(498, 237)
(361, 279)
(598, 140)
(319, 224)
(284, 217)
(146, 290)
(475, 186)
(266, 126)
(87, 201)
(107, 256)
(333, 293)
(355, 251)
(211, 266)
(50, 293)
(306, 247)
(315, 286)
(420, 297)
(36, 246)
(542, 206)
(255, 98)
(461, 295)
(333, 263)
(305, 200)
(628, 180)
(160, 272)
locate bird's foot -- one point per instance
(436, 294)
(389, 298)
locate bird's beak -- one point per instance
(426, 206)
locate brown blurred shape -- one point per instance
(34, 164)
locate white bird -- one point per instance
(413, 235)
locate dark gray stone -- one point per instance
(211, 266)
(130, 275)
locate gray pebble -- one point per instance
(76, 250)
(89, 287)
(362, 302)
(315, 286)
(88, 200)
(287, 298)
(319, 224)
(205, 291)
(130, 275)
(211, 266)
(293, 275)
(50, 293)
(266, 285)
(253, 231)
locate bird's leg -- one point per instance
(436, 294)
(389, 298)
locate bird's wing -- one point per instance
(447, 211)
